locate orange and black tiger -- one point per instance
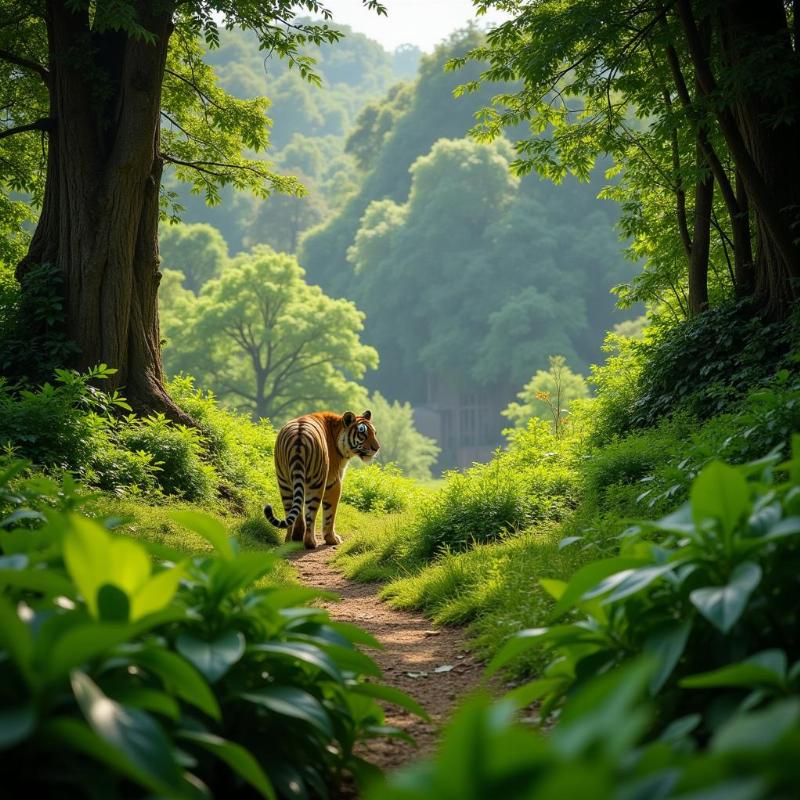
(311, 455)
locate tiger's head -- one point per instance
(358, 436)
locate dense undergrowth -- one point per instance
(650, 587)
(132, 667)
(653, 586)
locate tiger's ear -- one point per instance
(367, 414)
(348, 418)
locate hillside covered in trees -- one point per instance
(411, 220)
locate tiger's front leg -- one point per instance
(330, 502)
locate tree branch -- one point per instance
(26, 63)
(43, 124)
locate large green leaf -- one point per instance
(212, 530)
(767, 668)
(666, 644)
(78, 644)
(355, 634)
(589, 576)
(719, 492)
(179, 677)
(289, 701)
(628, 582)
(148, 699)
(236, 757)
(86, 556)
(298, 651)
(132, 732)
(390, 694)
(757, 730)
(723, 605)
(15, 638)
(75, 735)
(237, 573)
(212, 658)
(158, 592)
(45, 581)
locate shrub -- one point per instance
(472, 508)
(240, 449)
(177, 452)
(378, 488)
(125, 675)
(710, 584)
(63, 424)
(33, 343)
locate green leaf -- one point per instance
(380, 691)
(112, 603)
(758, 730)
(213, 659)
(534, 690)
(87, 640)
(148, 699)
(236, 757)
(239, 572)
(607, 714)
(16, 725)
(301, 652)
(212, 530)
(553, 587)
(588, 577)
(355, 634)
(289, 701)
(515, 646)
(74, 735)
(723, 605)
(15, 638)
(130, 731)
(347, 658)
(158, 592)
(290, 596)
(666, 644)
(86, 546)
(45, 581)
(180, 678)
(719, 492)
(767, 668)
(629, 582)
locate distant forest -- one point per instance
(467, 275)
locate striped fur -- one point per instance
(311, 455)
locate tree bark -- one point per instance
(99, 220)
(765, 155)
(701, 240)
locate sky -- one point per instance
(421, 22)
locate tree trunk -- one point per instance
(701, 240)
(774, 147)
(99, 220)
(765, 153)
(743, 269)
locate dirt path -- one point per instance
(414, 650)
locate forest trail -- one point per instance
(413, 652)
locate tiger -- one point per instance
(311, 455)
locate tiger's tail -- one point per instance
(298, 482)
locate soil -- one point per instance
(414, 649)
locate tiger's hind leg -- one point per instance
(330, 502)
(298, 530)
(313, 501)
(295, 532)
